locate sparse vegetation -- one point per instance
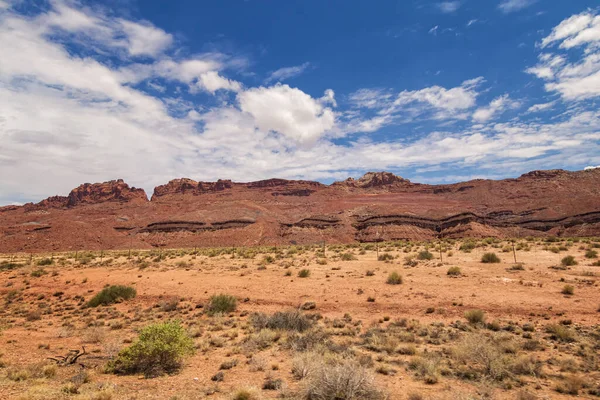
(475, 316)
(568, 290)
(221, 304)
(112, 294)
(568, 261)
(490, 258)
(454, 271)
(159, 349)
(394, 279)
(304, 273)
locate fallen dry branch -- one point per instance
(70, 359)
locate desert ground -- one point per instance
(395, 320)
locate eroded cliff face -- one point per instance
(94, 193)
(377, 206)
(190, 186)
(374, 180)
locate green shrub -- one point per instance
(425, 255)
(38, 272)
(159, 349)
(475, 316)
(591, 254)
(394, 279)
(45, 261)
(454, 271)
(568, 290)
(568, 261)
(304, 273)
(385, 257)
(467, 247)
(112, 294)
(347, 257)
(221, 304)
(490, 258)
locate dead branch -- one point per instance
(70, 359)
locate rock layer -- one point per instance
(378, 206)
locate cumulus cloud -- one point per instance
(287, 72)
(496, 107)
(508, 6)
(573, 77)
(288, 111)
(591, 168)
(145, 39)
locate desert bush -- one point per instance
(591, 254)
(467, 247)
(568, 290)
(454, 271)
(282, 320)
(339, 379)
(45, 261)
(112, 294)
(38, 272)
(385, 257)
(490, 258)
(221, 304)
(246, 394)
(475, 316)
(426, 368)
(561, 333)
(304, 273)
(347, 257)
(394, 279)
(570, 385)
(425, 255)
(568, 261)
(482, 357)
(159, 349)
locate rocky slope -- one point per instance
(378, 206)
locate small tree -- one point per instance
(159, 349)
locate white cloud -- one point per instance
(457, 98)
(591, 168)
(433, 30)
(145, 39)
(574, 78)
(449, 6)
(286, 73)
(212, 81)
(496, 106)
(508, 6)
(541, 107)
(570, 29)
(471, 22)
(370, 98)
(288, 111)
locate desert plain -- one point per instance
(395, 320)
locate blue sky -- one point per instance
(435, 91)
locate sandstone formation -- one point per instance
(377, 206)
